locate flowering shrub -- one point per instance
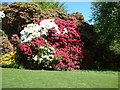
(56, 45)
(67, 43)
(29, 32)
(31, 47)
(77, 18)
(5, 45)
(19, 14)
(34, 30)
(88, 36)
(54, 13)
(8, 58)
(37, 52)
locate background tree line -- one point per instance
(106, 17)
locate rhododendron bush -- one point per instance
(5, 45)
(51, 44)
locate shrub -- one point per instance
(57, 45)
(8, 59)
(19, 14)
(88, 36)
(54, 13)
(37, 53)
(77, 18)
(5, 45)
(67, 43)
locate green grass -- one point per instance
(20, 78)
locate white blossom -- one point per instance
(35, 58)
(52, 56)
(41, 47)
(53, 51)
(49, 23)
(52, 48)
(35, 30)
(2, 14)
(29, 32)
(65, 31)
(40, 60)
(48, 50)
(46, 57)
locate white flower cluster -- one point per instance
(46, 54)
(65, 31)
(29, 32)
(35, 30)
(2, 15)
(49, 23)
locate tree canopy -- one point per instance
(106, 16)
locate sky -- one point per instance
(81, 6)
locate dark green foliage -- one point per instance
(106, 16)
(88, 36)
(106, 59)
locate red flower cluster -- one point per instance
(32, 47)
(67, 44)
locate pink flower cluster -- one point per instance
(31, 48)
(68, 45)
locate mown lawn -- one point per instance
(20, 78)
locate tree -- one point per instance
(106, 18)
(106, 21)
